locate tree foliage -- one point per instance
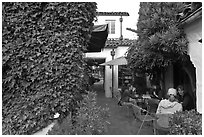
(42, 61)
(160, 41)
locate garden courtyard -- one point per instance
(53, 77)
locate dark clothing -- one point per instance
(125, 96)
(186, 101)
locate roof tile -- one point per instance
(113, 43)
(112, 14)
(190, 8)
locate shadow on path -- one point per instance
(121, 122)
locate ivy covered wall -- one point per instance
(42, 61)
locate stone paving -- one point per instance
(122, 122)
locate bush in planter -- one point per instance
(90, 119)
(186, 123)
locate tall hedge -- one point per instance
(42, 61)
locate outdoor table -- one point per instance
(145, 96)
(141, 102)
(145, 102)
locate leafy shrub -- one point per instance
(186, 123)
(90, 119)
(42, 61)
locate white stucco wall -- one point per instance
(130, 6)
(119, 51)
(125, 24)
(105, 53)
(194, 33)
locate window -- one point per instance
(111, 26)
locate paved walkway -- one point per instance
(122, 122)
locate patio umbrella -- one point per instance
(118, 61)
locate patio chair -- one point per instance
(128, 107)
(161, 124)
(142, 117)
(117, 95)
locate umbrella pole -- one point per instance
(113, 54)
(112, 81)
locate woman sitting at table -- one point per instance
(126, 96)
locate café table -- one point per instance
(142, 100)
(148, 103)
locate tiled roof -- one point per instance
(191, 9)
(112, 14)
(113, 43)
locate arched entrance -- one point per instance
(184, 74)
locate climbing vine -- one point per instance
(42, 61)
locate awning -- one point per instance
(94, 61)
(98, 38)
(118, 61)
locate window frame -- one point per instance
(111, 26)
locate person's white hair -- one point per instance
(172, 91)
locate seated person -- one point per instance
(156, 91)
(131, 88)
(184, 98)
(126, 96)
(167, 107)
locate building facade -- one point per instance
(116, 46)
(189, 74)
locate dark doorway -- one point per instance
(184, 74)
(96, 70)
